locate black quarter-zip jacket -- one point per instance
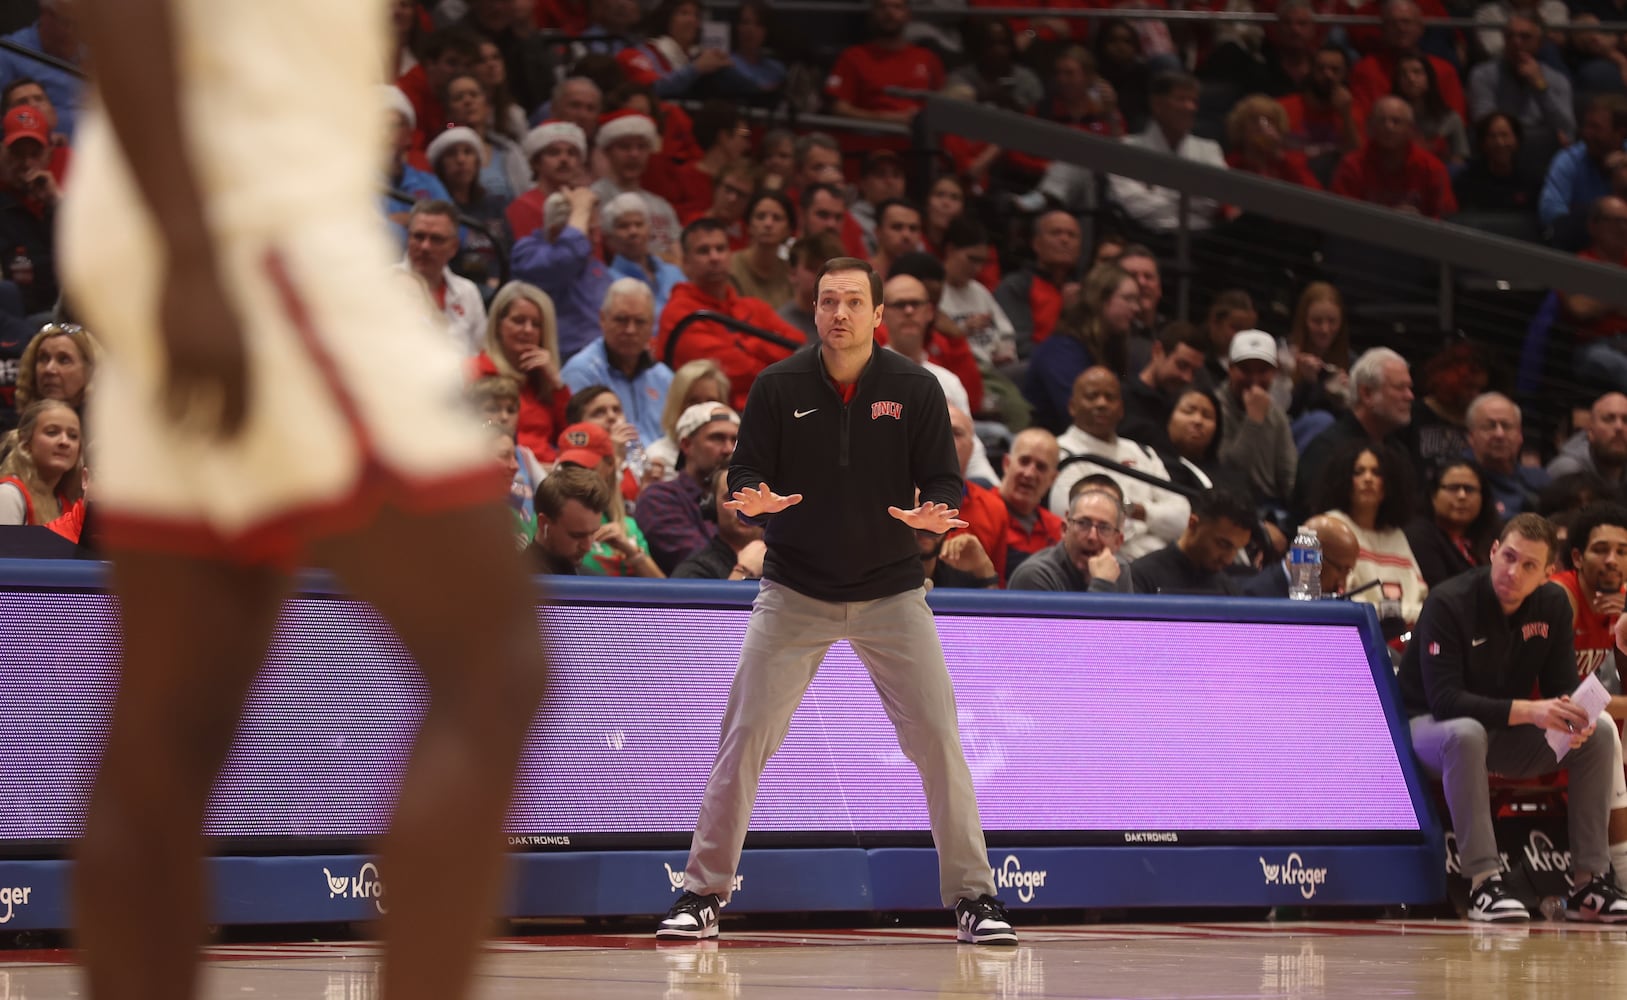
(1469, 659)
(850, 462)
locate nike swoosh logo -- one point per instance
(799, 414)
(1478, 642)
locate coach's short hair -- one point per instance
(1533, 527)
(839, 264)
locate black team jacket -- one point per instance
(850, 463)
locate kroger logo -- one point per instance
(1010, 875)
(1293, 872)
(12, 897)
(676, 879)
(364, 885)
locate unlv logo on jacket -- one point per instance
(886, 408)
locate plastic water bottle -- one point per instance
(1305, 566)
(1553, 908)
(634, 459)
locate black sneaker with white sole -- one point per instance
(692, 918)
(1492, 902)
(983, 921)
(1597, 901)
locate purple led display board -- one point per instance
(1069, 724)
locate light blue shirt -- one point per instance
(642, 396)
(1573, 184)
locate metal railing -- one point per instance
(1119, 468)
(44, 58)
(926, 12)
(1453, 245)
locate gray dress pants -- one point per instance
(1462, 754)
(786, 640)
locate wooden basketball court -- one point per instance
(1370, 960)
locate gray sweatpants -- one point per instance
(786, 640)
(1462, 754)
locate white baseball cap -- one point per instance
(701, 414)
(1254, 345)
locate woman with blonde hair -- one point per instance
(58, 363)
(41, 477)
(1254, 142)
(699, 381)
(522, 341)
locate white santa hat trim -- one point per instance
(395, 100)
(461, 135)
(550, 132)
(626, 124)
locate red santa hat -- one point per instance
(551, 131)
(627, 123)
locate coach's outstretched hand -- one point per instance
(762, 500)
(938, 517)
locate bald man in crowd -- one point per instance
(1339, 552)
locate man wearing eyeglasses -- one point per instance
(910, 312)
(1496, 437)
(432, 243)
(1087, 556)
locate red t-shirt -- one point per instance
(1047, 531)
(863, 73)
(689, 190)
(1045, 303)
(957, 356)
(986, 517)
(431, 113)
(1422, 181)
(1595, 633)
(1316, 131)
(569, 17)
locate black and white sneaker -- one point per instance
(1597, 901)
(692, 918)
(983, 921)
(1493, 902)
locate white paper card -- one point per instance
(715, 35)
(1592, 698)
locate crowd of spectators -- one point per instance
(586, 200)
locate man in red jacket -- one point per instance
(1392, 169)
(705, 244)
